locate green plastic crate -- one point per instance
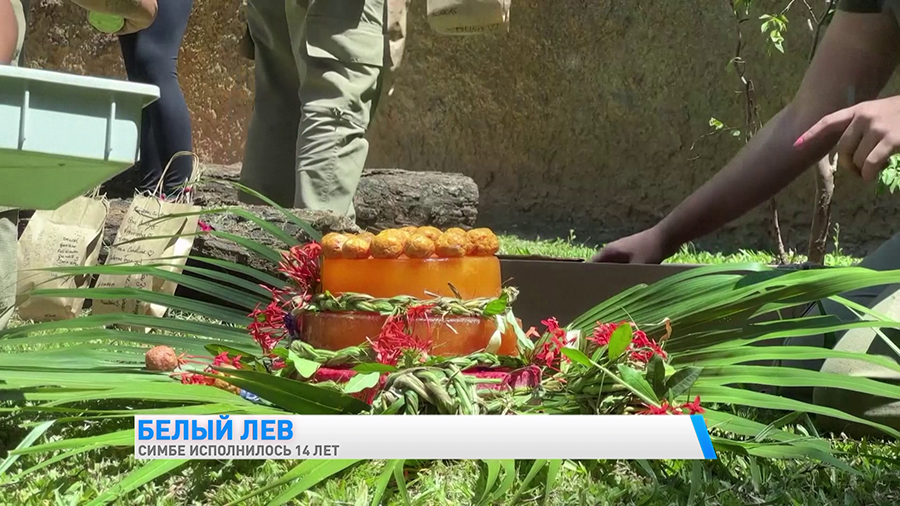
(62, 135)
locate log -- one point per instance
(389, 198)
(385, 198)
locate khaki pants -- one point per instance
(319, 72)
(884, 300)
(9, 217)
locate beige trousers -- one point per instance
(9, 217)
(319, 74)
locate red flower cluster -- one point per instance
(550, 352)
(223, 359)
(267, 327)
(301, 265)
(693, 408)
(219, 360)
(394, 339)
(642, 348)
(196, 379)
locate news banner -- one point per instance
(525, 437)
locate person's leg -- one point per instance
(9, 235)
(9, 218)
(343, 55)
(149, 165)
(155, 61)
(268, 165)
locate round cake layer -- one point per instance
(452, 336)
(473, 277)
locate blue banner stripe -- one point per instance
(703, 437)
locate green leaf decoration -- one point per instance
(682, 381)
(634, 378)
(577, 356)
(305, 368)
(497, 306)
(619, 341)
(656, 375)
(360, 382)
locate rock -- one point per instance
(385, 198)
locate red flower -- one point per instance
(204, 226)
(267, 327)
(665, 408)
(196, 379)
(222, 359)
(301, 265)
(394, 341)
(642, 348)
(693, 407)
(550, 352)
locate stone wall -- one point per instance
(583, 117)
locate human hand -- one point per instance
(645, 247)
(867, 135)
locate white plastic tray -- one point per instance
(62, 135)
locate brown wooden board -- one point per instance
(567, 288)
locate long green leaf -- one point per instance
(552, 472)
(536, 468)
(294, 396)
(509, 479)
(313, 233)
(223, 292)
(735, 396)
(276, 232)
(794, 377)
(384, 479)
(313, 478)
(263, 277)
(144, 474)
(118, 438)
(170, 301)
(29, 440)
(493, 471)
(303, 468)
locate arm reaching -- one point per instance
(9, 32)
(854, 62)
(138, 14)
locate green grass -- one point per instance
(732, 480)
(570, 248)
